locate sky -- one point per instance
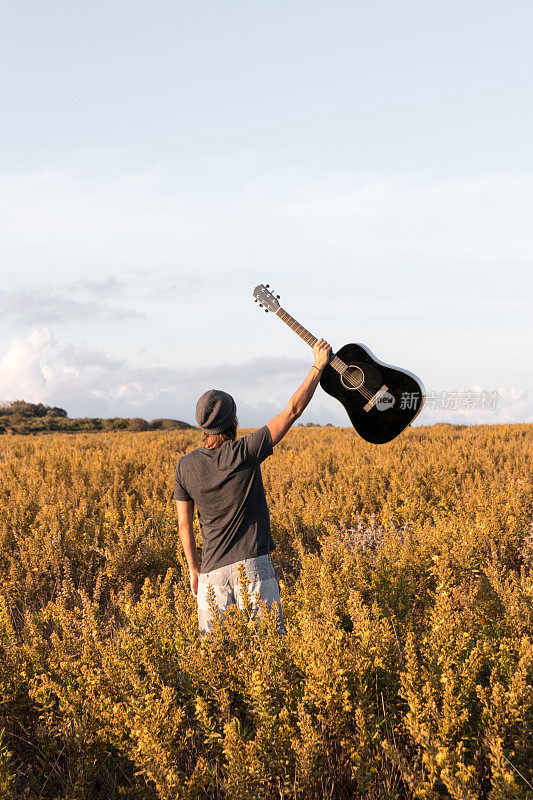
(371, 161)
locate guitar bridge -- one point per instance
(373, 400)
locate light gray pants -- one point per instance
(227, 587)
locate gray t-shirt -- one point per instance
(227, 489)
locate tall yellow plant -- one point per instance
(407, 587)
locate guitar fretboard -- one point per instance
(308, 337)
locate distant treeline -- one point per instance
(22, 418)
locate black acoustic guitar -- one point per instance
(380, 400)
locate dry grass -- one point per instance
(407, 585)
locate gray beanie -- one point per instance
(215, 411)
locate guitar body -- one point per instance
(395, 409)
(380, 400)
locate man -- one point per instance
(223, 479)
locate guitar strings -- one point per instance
(286, 317)
(364, 392)
(361, 388)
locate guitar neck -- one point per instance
(308, 337)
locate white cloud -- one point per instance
(91, 383)
(484, 217)
(21, 372)
(335, 244)
(104, 287)
(504, 405)
(183, 217)
(37, 306)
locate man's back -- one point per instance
(227, 488)
(223, 480)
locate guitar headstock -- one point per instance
(266, 298)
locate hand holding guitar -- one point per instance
(322, 354)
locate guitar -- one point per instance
(380, 400)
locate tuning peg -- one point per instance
(278, 296)
(260, 305)
(255, 301)
(267, 285)
(266, 310)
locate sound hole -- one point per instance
(352, 377)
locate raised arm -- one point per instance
(279, 426)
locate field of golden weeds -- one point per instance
(407, 586)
